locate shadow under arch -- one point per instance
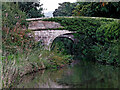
(61, 38)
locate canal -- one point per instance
(82, 74)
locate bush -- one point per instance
(14, 38)
(108, 32)
(97, 38)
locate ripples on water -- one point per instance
(80, 75)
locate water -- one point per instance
(80, 75)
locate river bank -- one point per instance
(16, 66)
(83, 74)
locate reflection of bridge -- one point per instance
(43, 31)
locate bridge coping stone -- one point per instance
(35, 25)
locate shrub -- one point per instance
(97, 38)
(14, 38)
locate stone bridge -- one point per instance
(46, 32)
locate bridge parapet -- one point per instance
(36, 25)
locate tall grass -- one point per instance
(17, 65)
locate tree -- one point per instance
(14, 38)
(32, 9)
(98, 9)
(65, 9)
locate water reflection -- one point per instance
(82, 75)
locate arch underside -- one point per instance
(67, 43)
(69, 36)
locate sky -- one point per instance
(51, 5)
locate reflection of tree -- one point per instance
(47, 79)
(83, 75)
(79, 74)
(87, 74)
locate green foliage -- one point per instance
(108, 32)
(20, 64)
(107, 53)
(31, 9)
(19, 51)
(11, 14)
(94, 9)
(14, 38)
(97, 38)
(57, 60)
(63, 45)
(65, 9)
(83, 6)
(98, 9)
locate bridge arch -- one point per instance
(48, 36)
(68, 36)
(46, 31)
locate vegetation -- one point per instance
(32, 9)
(21, 54)
(65, 9)
(83, 75)
(97, 38)
(16, 66)
(99, 9)
(13, 37)
(91, 9)
(63, 45)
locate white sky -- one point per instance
(51, 5)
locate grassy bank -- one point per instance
(16, 66)
(98, 38)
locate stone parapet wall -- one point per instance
(35, 25)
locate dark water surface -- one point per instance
(80, 75)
